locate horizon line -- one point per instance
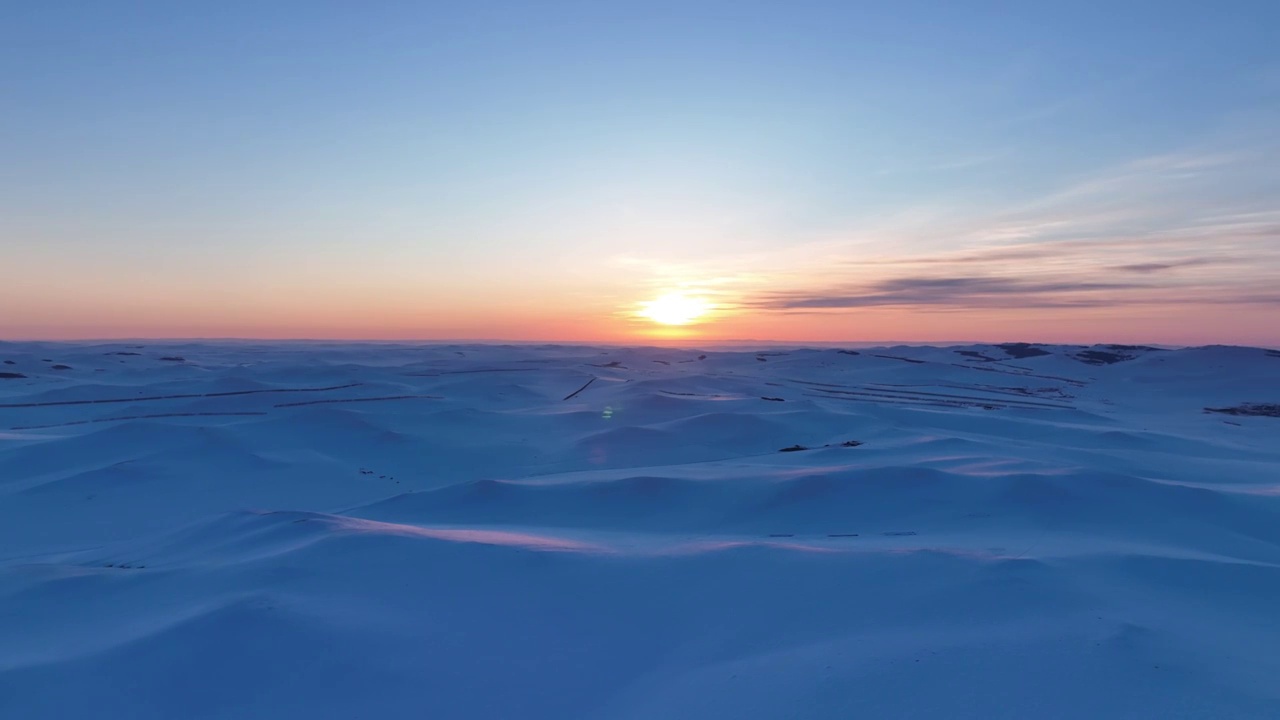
(734, 343)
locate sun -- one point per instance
(674, 309)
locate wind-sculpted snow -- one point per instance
(325, 530)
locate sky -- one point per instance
(835, 171)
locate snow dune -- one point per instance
(254, 530)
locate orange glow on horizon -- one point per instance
(523, 314)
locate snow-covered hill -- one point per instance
(244, 530)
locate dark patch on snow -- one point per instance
(772, 399)
(1111, 354)
(975, 355)
(1249, 410)
(1133, 348)
(60, 367)
(1022, 350)
(174, 358)
(800, 448)
(1100, 357)
(124, 353)
(11, 376)
(10, 362)
(899, 357)
(848, 352)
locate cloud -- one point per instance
(963, 292)
(1156, 267)
(1224, 257)
(952, 291)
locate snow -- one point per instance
(327, 530)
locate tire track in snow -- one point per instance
(190, 396)
(358, 400)
(138, 417)
(574, 394)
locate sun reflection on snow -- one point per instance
(526, 540)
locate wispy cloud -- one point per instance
(1199, 226)
(950, 291)
(1004, 293)
(1159, 267)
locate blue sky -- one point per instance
(534, 170)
